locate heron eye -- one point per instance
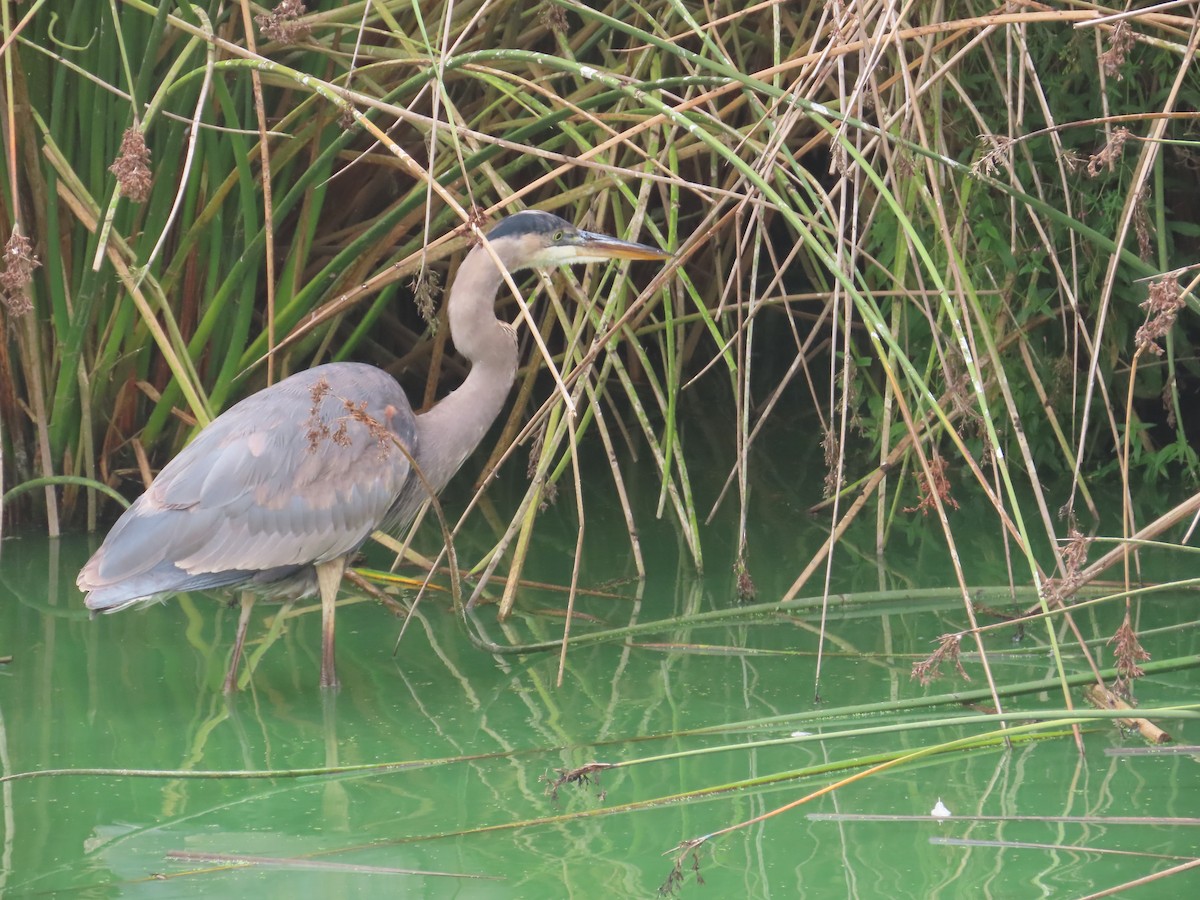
(558, 236)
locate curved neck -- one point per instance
(451, 430)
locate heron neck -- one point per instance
(450, 431)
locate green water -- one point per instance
(483, 732)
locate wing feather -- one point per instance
(290, 476)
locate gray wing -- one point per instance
(288, 477)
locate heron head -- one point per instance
(535, 239)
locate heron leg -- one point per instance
(243, 626)
(329, 578)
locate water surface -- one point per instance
(477, 738)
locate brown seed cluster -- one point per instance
(16, 271)
(132, 167)
(937, 485)
(1120, 41)
(832, 448)
(554, 18)
(998, 151)
(587, 775)
(316, 430)
(1162, 307)
(282, 23)
(746, 590)
(688, 852)
(1141, 223)
(949, 650)
(384, 439)
(1128, 653)
(1108, 155)
(1055, 591)
(426, 287)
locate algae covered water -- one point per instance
(460, 772)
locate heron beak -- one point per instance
(593, 247)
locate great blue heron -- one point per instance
(279, 491)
